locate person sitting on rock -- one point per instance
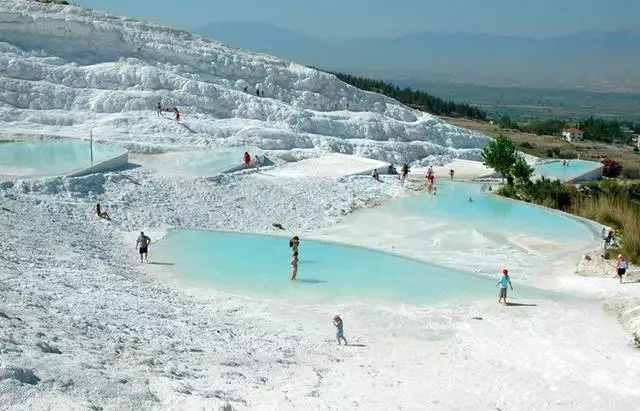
(102, 214)
(609, 238)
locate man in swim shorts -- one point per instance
(143, 241)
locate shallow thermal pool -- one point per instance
(555, 169)
(51, 157)
(201, 162)
(490, 213)
(259, 266)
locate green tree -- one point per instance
(522, 171)
(506, 123)
(501, 155)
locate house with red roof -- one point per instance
(572, 134)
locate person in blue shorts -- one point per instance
(503, 282)
(337, 322)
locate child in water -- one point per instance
(294, 265)
(337, 322)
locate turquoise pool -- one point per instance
(259, 265)
(451, 205)
(202, 162)
(555, 170)
(51, 157)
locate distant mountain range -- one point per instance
(607, 60)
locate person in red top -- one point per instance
(247, 160)
(430, 180)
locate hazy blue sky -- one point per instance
(339, 19)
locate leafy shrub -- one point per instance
(611, 169)
(542, 127)
(508, 191)
(613, 188)
(549, 203)
(551, 193)
(554, 152)
(567, 154)
(612, 253)
(631, 173)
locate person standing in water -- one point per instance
(430, 179)
(246, 159)
(256, 162)
(294, 242)
(503, 282)
(451, 172)
(294, 265)
(143, 242)
(404, 173)
(177, 113)
(337, 322)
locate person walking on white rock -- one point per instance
(621, 267)
(142, 243)
(339, 324)
(504, 281)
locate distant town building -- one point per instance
(572, 134)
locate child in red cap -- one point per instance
(504, 281)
